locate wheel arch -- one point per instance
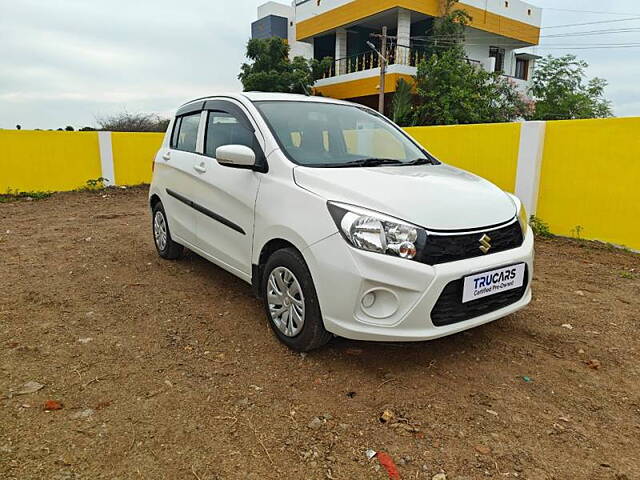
(154, 199)
(268, 249)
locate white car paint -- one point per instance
(289, 202)
(410, 193)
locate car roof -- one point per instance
(269, 96)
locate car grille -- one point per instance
(449, 308)
(450, 248)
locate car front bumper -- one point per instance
(405, 291)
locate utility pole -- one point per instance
(383, 64)
(383, 70)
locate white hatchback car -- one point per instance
(343, 223)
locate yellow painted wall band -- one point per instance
(47, 161)
(590, 179)
(488, 150)
(360, 9)
(133, 154)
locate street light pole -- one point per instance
(383, 65)
(383, 70)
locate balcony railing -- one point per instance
(397, 55)
(360, 62)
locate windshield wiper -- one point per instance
(370, 162)
(376, 162)
(423, 161)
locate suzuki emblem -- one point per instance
(485, 243)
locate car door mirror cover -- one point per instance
(236, 156)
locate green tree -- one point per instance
(402, 105)
(448, 29)
(451, 90)
(271, 70)
(561, 92)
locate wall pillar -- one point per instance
(404, 36)
(106, 158)
(341, 51)
(529, 164)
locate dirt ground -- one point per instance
(169, 370)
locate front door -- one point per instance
(226, 194)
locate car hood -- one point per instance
(438, 197)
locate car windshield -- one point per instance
(317, 134)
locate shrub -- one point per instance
(539, 227)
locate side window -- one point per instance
(225, 129)
(522, 69)
(187, 132)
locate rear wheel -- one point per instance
(291, 302)
(165, 246)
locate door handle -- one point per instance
(167, 156)
(200, 168)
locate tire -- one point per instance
(287, 264)
(166, 248)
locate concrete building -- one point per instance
(341, 28)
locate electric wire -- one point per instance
(591, 11)
(591, 23)
(443, 44)
(445, 41)
(586, 33)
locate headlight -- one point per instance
(376, 232)
(523, 219)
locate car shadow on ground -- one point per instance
(366, 357)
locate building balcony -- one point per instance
(406, 56)
(359, 75)
(364, 82)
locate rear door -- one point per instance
(178, 174)
(227, 194)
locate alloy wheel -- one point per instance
(286, 301)
(160, 230)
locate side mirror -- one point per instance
(236, 156)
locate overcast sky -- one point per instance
(66, 62)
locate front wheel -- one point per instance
(291, 302)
